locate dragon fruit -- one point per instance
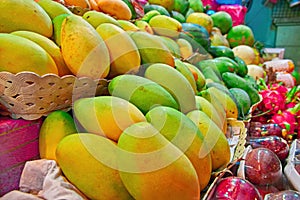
(287, 120)
(272, 100)
(280, 105)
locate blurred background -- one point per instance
(277, 25)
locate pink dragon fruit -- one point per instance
(287, 119)
(272, 100)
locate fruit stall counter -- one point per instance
(158, 99)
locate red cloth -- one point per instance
(18, 144)
(212, 3)
(237, 13)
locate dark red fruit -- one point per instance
(235, 188)
(266, 189)
(275, 143)
(262, 167)
(286, 195)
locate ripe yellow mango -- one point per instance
(24, 15)
(186, 49)
(128, 25)
(79, 3)
(151, 49)
(115, 8)
(124, 55)
(151, 167)
(55, 127)
(214, 139)
(83, 49)
(144, 26)
(205, 106)
(50, 47)
(184, 134)
(106, 115)
(165, 25)
(20, 54)
(171, 45)
(96, 18)
(89, 162)
(168, 4)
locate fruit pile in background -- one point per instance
(180, 78)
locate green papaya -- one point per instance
(162, 10)
(178, 16)
(221, 51)
(233, 80)
(242, 68)
(181, 6)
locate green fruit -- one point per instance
(251, 81)
(220, 86)
(171, 45)
(96, 18)
(57, 23)
(178, 16)
(150, 14)
(160, 9)
(233, 80)
(181, 6)
(242, 101)
(151, 167)
(209, 73)
(196, 5)
(242, 69)
(218, 51)
(167, 4)
(190, 11)
(225, 64)
(132, 10)
(240, 35)
(296, 75)
(196, 33)
(141, 92)
(53, 8)
(149, 48)
(212, 64)
(198, 75)
(222, 20)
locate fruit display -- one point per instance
(158, 99)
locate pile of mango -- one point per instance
(160, 132)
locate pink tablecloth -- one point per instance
(18, 144)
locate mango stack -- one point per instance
(161, 131)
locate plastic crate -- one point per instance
(229, 2)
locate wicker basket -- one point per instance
(30, 96)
